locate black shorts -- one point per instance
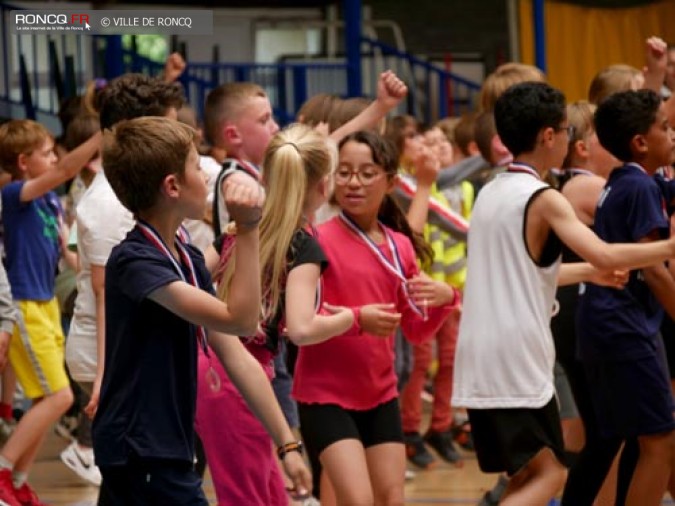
(143, 482)
(507, 439)
(322, 425)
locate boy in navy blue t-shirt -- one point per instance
(619, 340)
(159, 304)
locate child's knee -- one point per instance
(63, 399)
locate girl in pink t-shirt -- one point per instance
(346, 386)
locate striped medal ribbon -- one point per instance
(523, 168)
(395, 267)
(181, 240)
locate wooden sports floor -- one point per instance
(58, 486)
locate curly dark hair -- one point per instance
(524, 110)
(622, 116)
(135, 95)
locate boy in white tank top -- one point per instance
(505, 354)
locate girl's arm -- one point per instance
(435, 300)
(248, 376)
(303, 325)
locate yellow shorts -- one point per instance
(36, 350)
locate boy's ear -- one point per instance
(231, 134)
(638, 144)
(22, 162)
(581, 148)
(547, 135)
(171, 186)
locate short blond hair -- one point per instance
(611, 80)
(19, 137)
(503, 78)
(225, 103)
(139, 153)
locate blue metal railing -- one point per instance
(287, 84)
(434, 93)
(38, 71)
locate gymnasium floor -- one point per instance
(58, 486)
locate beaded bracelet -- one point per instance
(294, 446)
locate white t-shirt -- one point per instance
(505, 353)
(102, 223)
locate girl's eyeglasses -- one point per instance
(342, 176)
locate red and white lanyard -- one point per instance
(523, 168)
(395, 267)
(181, 240)
(250, 169)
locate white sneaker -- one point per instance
(81, 462)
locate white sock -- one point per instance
(5, 464)
(19, 478)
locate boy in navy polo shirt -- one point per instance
(159, 303)
(618, 330)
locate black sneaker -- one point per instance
(442, 443)
(416, 452)
(492, 497)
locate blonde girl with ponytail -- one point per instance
(296, 172)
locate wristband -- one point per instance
(248, 225)
(356, 326)
(233, 227)
(293, 446)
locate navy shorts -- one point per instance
(631, 397)
(143, 482)
(507, 439)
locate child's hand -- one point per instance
(379, 319)
(92, 406)
(612, 278)
(322, 128)
(174, 67)
(656, 61)
(244, 198)
(296, 469)
(426, 292)
(426, 165)
(390, 90)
